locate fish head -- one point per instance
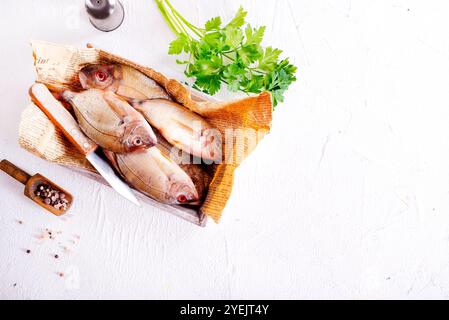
(99, 76)
(139, 135)
(184, 193)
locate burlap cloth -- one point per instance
(59, 65)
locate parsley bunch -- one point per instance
(230, 54)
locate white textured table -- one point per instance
(348, 197)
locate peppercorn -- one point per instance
(52, 197)
(28, 251)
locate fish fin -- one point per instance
(56, 87)
(187, 128)
(112, 158)
(117, 104)
(130, 93)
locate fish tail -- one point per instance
(56, 88)
(60, 92)
(134, 102)
(66, 95)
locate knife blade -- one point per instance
(106, 171)
(62, 118)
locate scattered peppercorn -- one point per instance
(61, 274)
(28, 251)
(56, 256)
(15, 284)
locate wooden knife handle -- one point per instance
(14, 171)
(62, 118)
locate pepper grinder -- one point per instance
(105, 15)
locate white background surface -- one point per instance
(348, 197)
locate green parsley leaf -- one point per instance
(254, 36)
(213, 24)
(182, 61)
(239, 18)
(179, 44)
(231, 54)
(214, 40)
(234, 85)
(249, 53)
(233, 36)
(269, 58)
(209, 84)
(207, 67)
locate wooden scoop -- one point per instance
(32, 184)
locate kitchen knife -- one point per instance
(62, 118)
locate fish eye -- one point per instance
(137, 142)
(101, 76)
(181, 198)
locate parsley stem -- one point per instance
(193, 28)
(196, 30)
(233, 50)
(251, 69)
(227, 56)
(180, 25)
(258, 71)
(164, 13)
